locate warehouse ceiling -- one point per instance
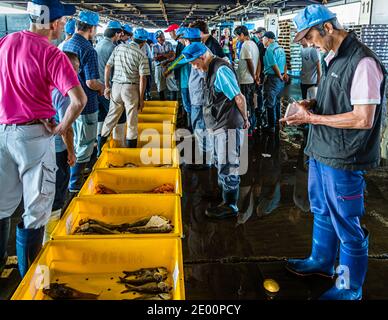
(160, 13)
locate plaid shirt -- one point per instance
(88, 68)
(161, 49)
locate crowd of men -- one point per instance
(56, 107)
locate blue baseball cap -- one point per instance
(192, 33)
(311, 16)
(141, 34)
(114, 25)
(127, 28)
(70, 27)
(56, 9)
(158, 34)
(89, 17)
(193, 52)
(180, 32)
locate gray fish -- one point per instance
(160, 296)
(152, 287)
(60, 291)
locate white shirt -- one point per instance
(249, 50)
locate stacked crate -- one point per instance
(375, 36)
(93, 263)
(287, 32)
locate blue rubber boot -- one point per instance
(28, 245)
(5, 227)
(228, 208)
(323, 253)
(354, 257)
(76, 177)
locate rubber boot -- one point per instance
(118, 135)
(100, 144)
(131, 143)
(162, 96)
(353, 256)
(323, 252)
(28, 245)
(76, 177)
(51, 224)
(228, 208)
(5, 227)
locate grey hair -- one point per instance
(334, 22)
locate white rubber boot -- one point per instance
(51, 224)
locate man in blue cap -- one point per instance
(343, 142)
(225, 114)
(85, 127)
(275, 71)
(104, 48)
(127, 34)
(69, 30)
(131, 69)
(30, 67)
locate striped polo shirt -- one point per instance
(129, 63)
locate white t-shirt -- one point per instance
(249, 50)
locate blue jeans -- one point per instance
(103, 109)
(227, 145)
(62, 182)
(338, 194)
(272, 89)
(202, 136)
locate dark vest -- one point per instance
(219, 112)
(347, 149)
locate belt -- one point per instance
(30, 123)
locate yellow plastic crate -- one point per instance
(141, 157)
(160, 110)
(165, 141)
(158, 118)
(155, 103)
(118, 210)
(94, 266)
(155, 128)
(131, 181)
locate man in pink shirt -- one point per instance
(30, 68)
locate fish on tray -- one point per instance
(144, 276)
(60, 291)
(101, 189)
(154, 224)
(125, 165)
(150, 288)
(160, 296)
(165, 188)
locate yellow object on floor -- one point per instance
(156, 118)
(156, 103)
(131, 181)
(94, 266)
(141, 157)
(119, 210)
(159, 110)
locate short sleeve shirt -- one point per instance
(129, 63)
(60, 103)
(274, 55)
(30, 68)
(158, 49)
(226, 82)
(88, 68)
(249, 51)
(104, 50)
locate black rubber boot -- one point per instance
(162, 96)
(28, 245)
(227, 209)
(100, 144)
(5, 227)
(131, 143)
